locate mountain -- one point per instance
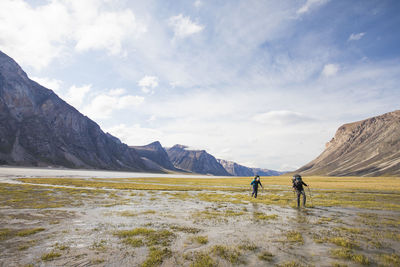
(196, 161)
(37, 128)
(365, 148)
(156, 154)
(235, 169)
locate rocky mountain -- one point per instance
(37, 128)
(156, 154)
(235, 169)
(196, 161)
(365, 148)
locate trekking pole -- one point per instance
(309, 191)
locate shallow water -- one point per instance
(88, 231)
(9, 172)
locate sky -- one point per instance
(265, 83)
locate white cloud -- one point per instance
(281, 117)
(198, 3)
(117, 92)
(75, 95)
(35, 36)
(135, 134)
(309, 5)
(148, 83)
(108, 30)
(49, 83)
(330, 70)
(129, 100)
(184, 26)
(356, 36)
(103, 105)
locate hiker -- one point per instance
(298, 187)
(255, 183)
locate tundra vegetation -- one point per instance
(353, 221)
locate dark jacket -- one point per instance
(255, 183)
(298, 185)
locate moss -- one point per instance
(151, 236)
(290, 264)
(61, 246)
(185, 229)
(31, 231)
(99, 245)
(389, 259)
(156, 256)
(265, 256)
(50, 256)
(264, 217)
(135, 232)
(337, 264)
(345, 253)
(200, 239)
(343, 242)
(97, 261)
(127, 213)
(227, 253)
(5, 234)
(202, 259)
(294, 237)
(27, 244)
(134, 242)
(249, 246)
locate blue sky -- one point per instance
(263, 83)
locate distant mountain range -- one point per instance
(37, 128)
(369, 147)
(197, 161)
(239, 170)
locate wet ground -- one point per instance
(44, 225)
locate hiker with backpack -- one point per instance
(255, 183)
(298, 187)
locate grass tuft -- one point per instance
(265, 256)
(349, 254)
(230, 254)
(31, 231)
(156, 256)
(200, 239)
(264, 217)
(51, 256)
(202, 259)
(294, 237)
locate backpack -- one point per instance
(297, 180)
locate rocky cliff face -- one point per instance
(239, 170)
(37, 128)
(196, 161)
(155, 153)
(365, 148)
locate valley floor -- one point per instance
(166, 221)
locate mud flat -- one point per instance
(164, 221)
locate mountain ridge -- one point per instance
(369, 147)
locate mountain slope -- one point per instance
(365, 148)
(239, 170)
(196, 161)
(156, 154)
(37, 128)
